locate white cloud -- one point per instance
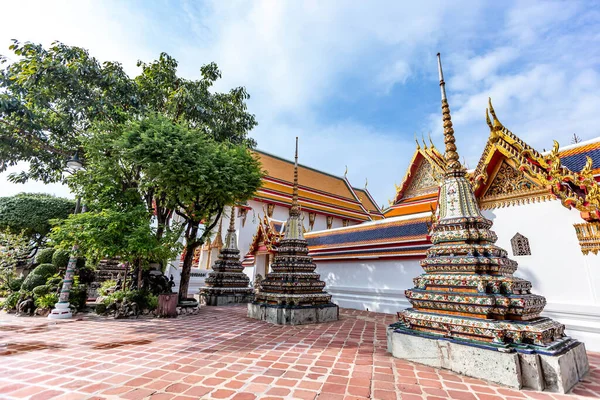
(537, 60)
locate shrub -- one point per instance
(47, 301)
(78, 296)
(32, 281)
(86, 274)
(143, 298)
(38, 276)
(46, 270)
(100, 308)
(44, 256)
(105, 286)
(15, 284)
(60, 259)
(11, 301)
(54, 280)
(41, 290)
(152, 302)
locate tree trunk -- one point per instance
(186, 268)
(139, 278)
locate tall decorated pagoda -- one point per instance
(469, 313)
(227, 283)
(293, 293)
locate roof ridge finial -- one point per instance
(295, 208)
(417, 141)
(497, 123)
(451, 155)
(424, 142)
(430, 141)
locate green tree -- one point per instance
(50, 99)
(30, 214)
(193, 171)
(14, 248)
(115, 233)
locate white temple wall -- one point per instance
(374, 285)
(569, 280)
(245, 235)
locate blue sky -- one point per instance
(356, 80)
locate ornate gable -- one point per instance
(574, 189)
(509, 186)
(423, 181)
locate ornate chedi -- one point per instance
(227, 283)
(469, 303)
(293, 293)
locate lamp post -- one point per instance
(61, 309)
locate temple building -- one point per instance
(544, 208)
(292, 293)
(326, 202)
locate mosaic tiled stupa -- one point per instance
(293, 293)
(227, 283)
(469, 313)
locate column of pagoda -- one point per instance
(292, 294)
(227, 283)
(469, 303)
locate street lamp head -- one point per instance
(75, 163)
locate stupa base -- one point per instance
(301, 315)
(225, 299)
(517, 368)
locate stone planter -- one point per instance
(167, 305)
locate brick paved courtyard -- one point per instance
(221, 354)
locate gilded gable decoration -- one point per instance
(588, 234)
(511, 187)
(574, 189)
(423, 181)
(520, 245)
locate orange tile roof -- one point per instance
(368, 202)
(319, 191)
(282, 169)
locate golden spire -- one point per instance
(293, 226)
(218, 242)
(451, 155)
(230, 238)
(295, 208)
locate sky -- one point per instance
(354, 80)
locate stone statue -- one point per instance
(171, 284)
(257, 280)
(26, 306)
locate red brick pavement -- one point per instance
(221, 354)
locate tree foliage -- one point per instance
(30, 213)
(193, 172)
(50, 99)
(110, 233)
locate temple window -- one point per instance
(270, 209)
(520, 245)
(345, 222)
(329, 221)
